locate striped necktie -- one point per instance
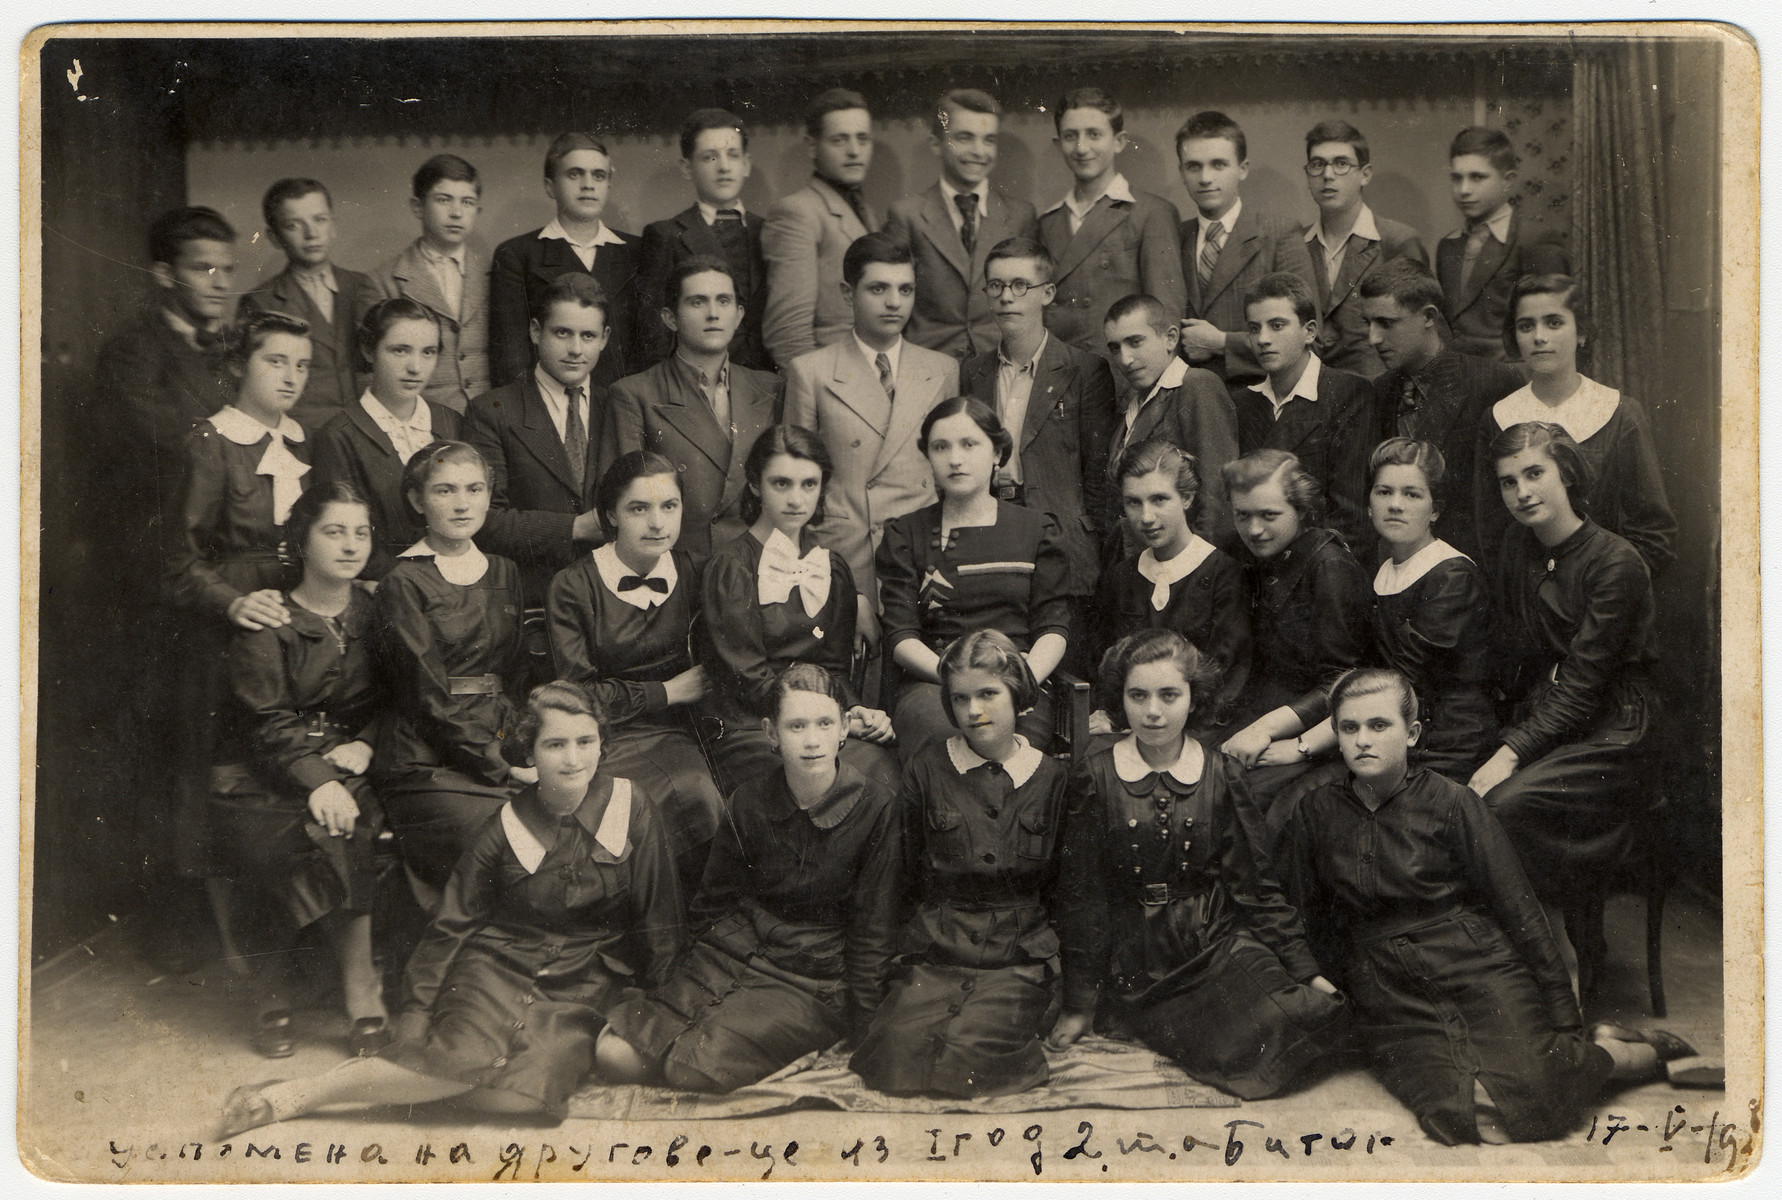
(1209, 253)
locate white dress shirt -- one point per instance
(586, 251)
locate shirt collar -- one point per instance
(1365, 227)
(1363, 798)
(1305, 389)
(1393, 578)
(323, 275)
(1119, 191)
(420, 422)
(604, 812)
(1163, 575)
(606, 237)
(177, 322)
(949, 191)
(1032, 363)
(1020, 766)
(1229, 220)
(433, 256)
(1580, 414)
(1131, 766)
(709, 212)
(1498, 223)
(243, 430)
(832, 807)
(462, 569)
(1172, 377)
(895, 353)
(612, 569)
(698, 376)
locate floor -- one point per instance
(124, 1072)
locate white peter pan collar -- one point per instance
(462, 569)
(1580, 414)
(1393, 577)
(1131, 766)
(612, 569)
(1020, 766)
(1165, 575)
(243, 430)
(614, 824)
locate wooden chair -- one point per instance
(1648, 872)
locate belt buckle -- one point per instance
(1157, 893)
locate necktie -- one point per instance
(1475, 245)
(630, 583)
(718, 394)
(886, 381)
(1408, 404)
(857, 202)
(1209, 253)
(968, 214)
(728, 216)
(575, 438)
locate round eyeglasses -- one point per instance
(1338, 166)
(1015, 287)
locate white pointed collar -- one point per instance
(1394, 577)
(1020, 766)
(244, 430)
(615, 826)
(1165, 575)
(1130, 765)
(1580, 414)
(462, 569)
(613, 569)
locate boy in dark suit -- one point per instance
(1056, 401)
(300, 217)
(1480, 262)
(578, 176)
(1430, 392)
(1347, 243)
(697, 408)
(952, 226)
(1305, 408)
(808, 232)
(1166, 398)
(547, 438)
(715, 158)
(1108, 240)
(1226, 247)
(449, 273)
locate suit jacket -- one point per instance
(1454, 390)
(1121, 248)
(534, 500)
(662, 410)
(463, 369)
(1199, 417)
(1476, 312)
(666, 245)
(353, 449)
(953, 315)
(1342, 326)
(525, 266)
(804, 239)
(334, 355)
(1333, 440)
(879, 473)
(1064, 445)
(1259, 244)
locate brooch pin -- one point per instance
(817, 632)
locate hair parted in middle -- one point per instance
(992, 651)
(981, 414)
(1198, 669)
(434, 455)
(626, 470)
(380, 318)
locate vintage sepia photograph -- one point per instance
(889, 601)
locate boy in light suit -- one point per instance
(808, 232)
(952, 226)
(449, 273)
(865, 396)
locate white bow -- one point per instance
(287, 472)
(782, 570)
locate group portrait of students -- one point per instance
(683, 621)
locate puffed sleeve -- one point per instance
(423, 684)
(875, 909)
(899, 580)
(571, 615)
(1249, 873)
(734, 628)
(1343, 601)
(1452, 608)
(261, 680)
(1646, 518)
(463, 910)
(658, 918)
(1081, 909)
(1050, 598)
(191, 580)
(1617, 610)
(1496, 882)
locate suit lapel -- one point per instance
(1191, 239)
(540, 435)
(684, 407)
(980, 378)
(856, 384)
(917, 389)
(994, 229)
(1234, 256)
(751, 411)
(839, 208)
(939, 226)
(697, 236)
(362, 421)
(475, 294)
(1357, 262)
(417, 281)
(1102, 220)
(1049, 384)
(1491, 260)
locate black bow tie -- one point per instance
(631, 583)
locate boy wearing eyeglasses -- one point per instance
(1056, 401)
(1347, 243)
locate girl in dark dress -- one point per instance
(773, 597)
(977, 977)
(368, 443)
(564, 899)
(1575, 610)
(1178, 581)
(1309, 610)
(1458, 990)
(620, 621)
(453, 649)
(1547, 324)
(969, 562)
(294, 812)
(799, 906)
(245, 466)
(1202, 958)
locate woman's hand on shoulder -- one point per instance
(870, 725)
(525, 775)
(264, 609)
(1070, 1027)
(352, 757)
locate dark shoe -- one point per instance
(276, 1035)
(368, 1036)
(246, 1108)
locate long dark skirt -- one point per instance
(920, 719)
(960, 1031)
(744, 753)
(435, 818)
(668, 763)
(1233, 1017)
(730, 1015)
(1448, 1002)
(500, 1028)
(272, 844)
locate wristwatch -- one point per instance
(1299, 743)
